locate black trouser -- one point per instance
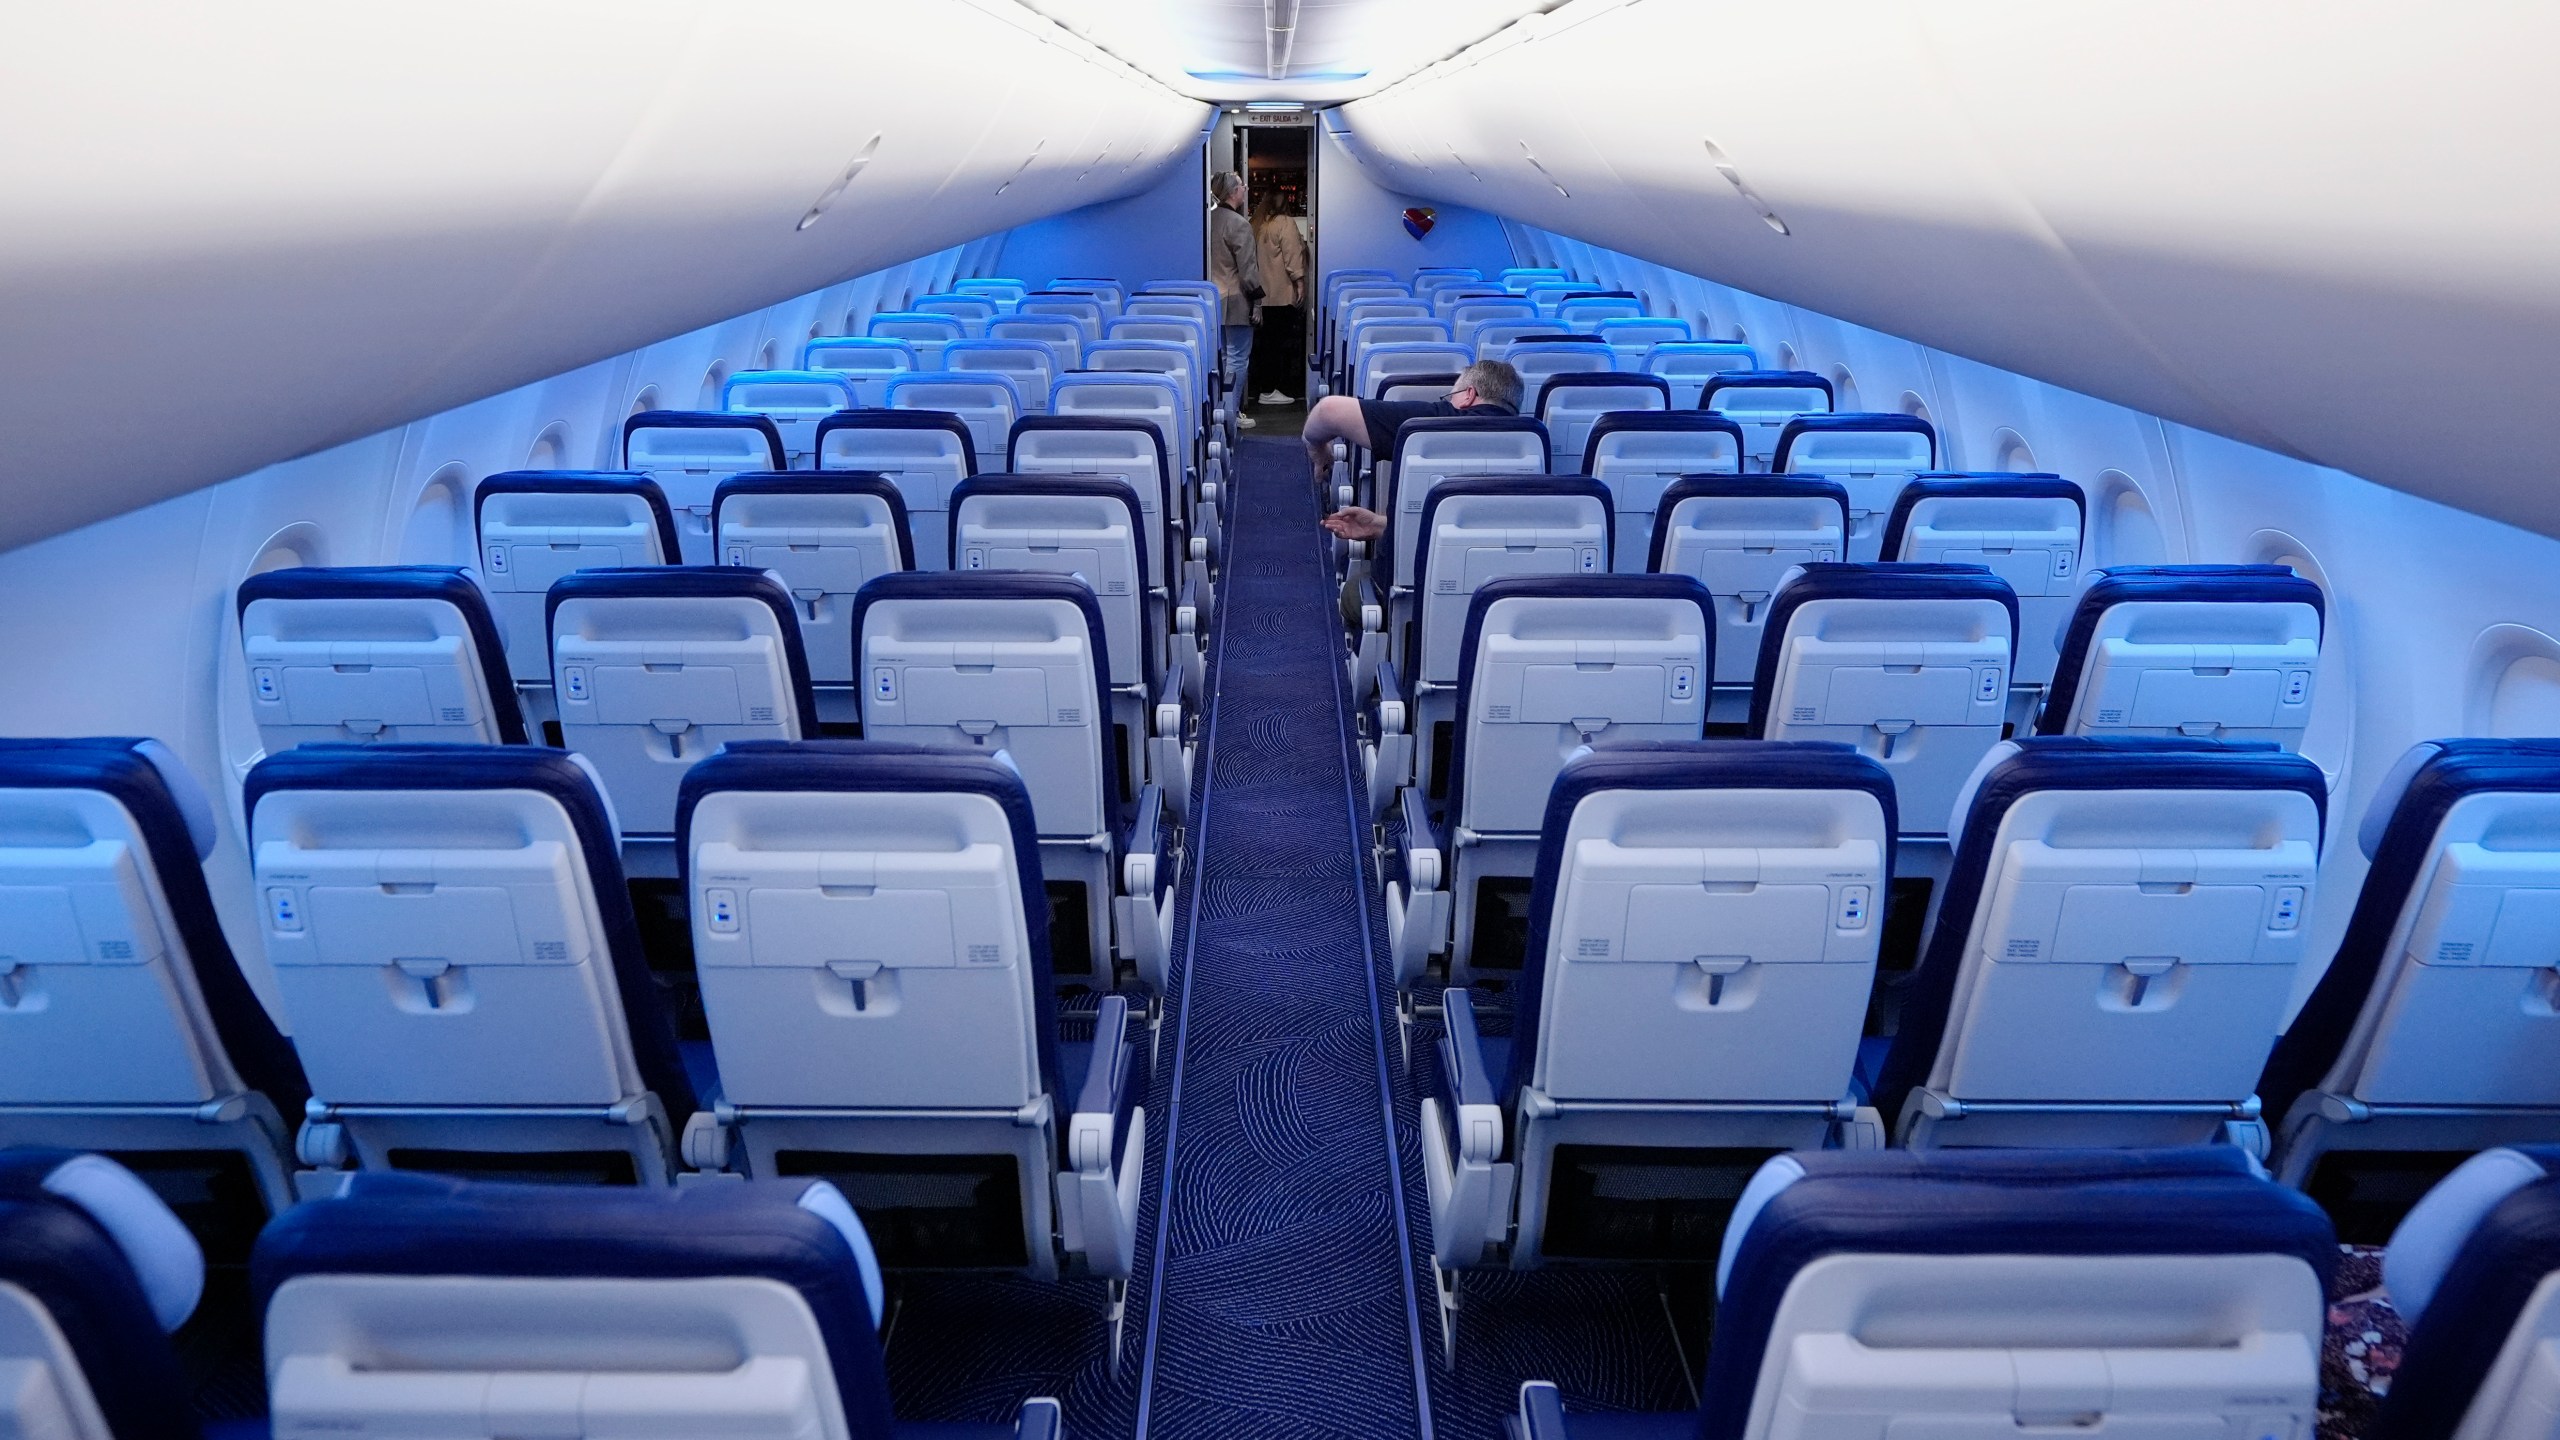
(1279, 352)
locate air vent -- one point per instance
(1531, 157)
(828, 196)
(1750, 196)
(1025, 165)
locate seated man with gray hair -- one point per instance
(1488, 387)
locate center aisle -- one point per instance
(1283, 1304)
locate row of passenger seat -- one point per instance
(457, 958)
(2109, 917)
(2146, 1292)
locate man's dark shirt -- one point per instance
(1385, 417)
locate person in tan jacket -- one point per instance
(1279, 350)
(1237, 272)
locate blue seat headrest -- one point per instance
(823, 482)
(1851, 422)
(1725, 380)
(1737, 487)
(592, 482)
(941, 420)
(708, 420)
(1805, 1206)
(698, 582)
(1973, 485)
(166, 1260)
(79, 1271)
(1864, 580)
(798, 1233)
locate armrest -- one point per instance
(1390, 713)
(1416, 857)
(1168, 707)
(1106, 1075)
(1041, 1418)
(1542, 1412)
(1146, 851)
(1467, 1083)
(1462, 1062)
(1373, 608)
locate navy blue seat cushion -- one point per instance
(1500, 485)
(592, 482)
(1852, 422)
(1571, 587)
(2477, 1301)
(706, 420)
(444, 583)
(2457, 770)
(1012, 585)
(119, 769)
(1629, 422)
(70, 1265)
(514, 767)
(411, 1225)
(698, 582)
(1850, 580)
(2047, 763)
(1099, 486)
(2128, 584)
(2207, 1200)
(1711, 487)
(892, 767)
(832, 482)
(942, 420)
(1601, 380)
(1666, 765)
(1724, 380)
(1978, 486)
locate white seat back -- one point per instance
(794, 400)
(1066, 528)
(441, 948)
(651, 674)
(928, 333)
(972, 311)
(535, 529)
(1477, 533)
(1006, 292)
(866, 362)
(2024, 529)
(822, 537)
(1639, 457)
(1031, 367)
(987, 403)
(1432, 451)
(1469, 316)
(1872, 457)
(688, 461)
(1063, 337)
(1583, 314)
(99, 1005)
(1570, 405)
(395, 653)
(925, 459)
(1497, 339)
(1632, 338)
(2225, 653)
(1740, 541)
(1126, 451)
(1624, 659)
(1539, 361)
(2133, 944)
(1084, 311)
(1693, 927)
(924, 993)
(1762, 402)
(1690, 364)
(1128, 395)
(1380, 363)
(995, 673)
(1908, 665)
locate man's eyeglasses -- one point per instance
(1452, 396)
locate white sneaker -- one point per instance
(1244, 422)
(1276, 397)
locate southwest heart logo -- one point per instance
(1419, 220)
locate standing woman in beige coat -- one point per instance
(1237, 272)
(1279, 351)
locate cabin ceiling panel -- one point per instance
(2322, 228)
(256, 231)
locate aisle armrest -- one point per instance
(1149, 861)
(1106, 1151)
(1415, 877)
